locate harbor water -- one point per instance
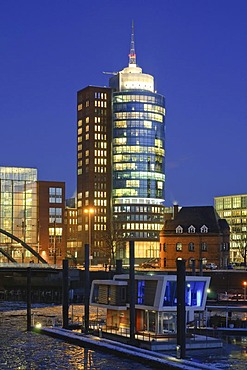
(21, 350)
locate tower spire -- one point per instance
(132, 54)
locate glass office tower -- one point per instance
(233, 208)
(18, 209)
(138, 160)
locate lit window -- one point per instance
(227, 203)
(236, 202)
(159, 185)
(179, 247)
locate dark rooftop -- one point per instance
(197, 217)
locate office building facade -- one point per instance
(18, 210)
(135, 156)
(94, 172)
(32, 211)
(138, 160)
(234, 209)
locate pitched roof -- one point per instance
(197, 216)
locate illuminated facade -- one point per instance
(18, 209)
(71, 230)
(155, 301)
(94, 172)
(120, 165)
(33, 211)
(138, 146)
(234, 209)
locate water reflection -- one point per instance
(233, 354)
(23, 350)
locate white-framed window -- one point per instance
(179, 229)
(204, 229)
(55, 215)
(55, 195)
(191, 229)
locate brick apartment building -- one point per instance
(194, 233)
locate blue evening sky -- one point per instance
(196, 49)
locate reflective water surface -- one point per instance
(21, 350)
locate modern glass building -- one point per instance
(234, 209)
(138, 160)
(18, 208)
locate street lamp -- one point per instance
(245, 284)
(89, 212)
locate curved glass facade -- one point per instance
(139, 168)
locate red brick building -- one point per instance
(194, 233)
(51, 224)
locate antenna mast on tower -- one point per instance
(132, 54)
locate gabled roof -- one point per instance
(197, 216)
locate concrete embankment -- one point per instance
(151, 358)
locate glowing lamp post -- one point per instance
(89, 212)
(245, 284)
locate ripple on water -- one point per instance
(26, 350)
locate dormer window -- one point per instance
(179, 229)
(204, 229)
(191, 229)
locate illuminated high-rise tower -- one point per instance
(120, 165)
(94, 126)
(138, 160)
